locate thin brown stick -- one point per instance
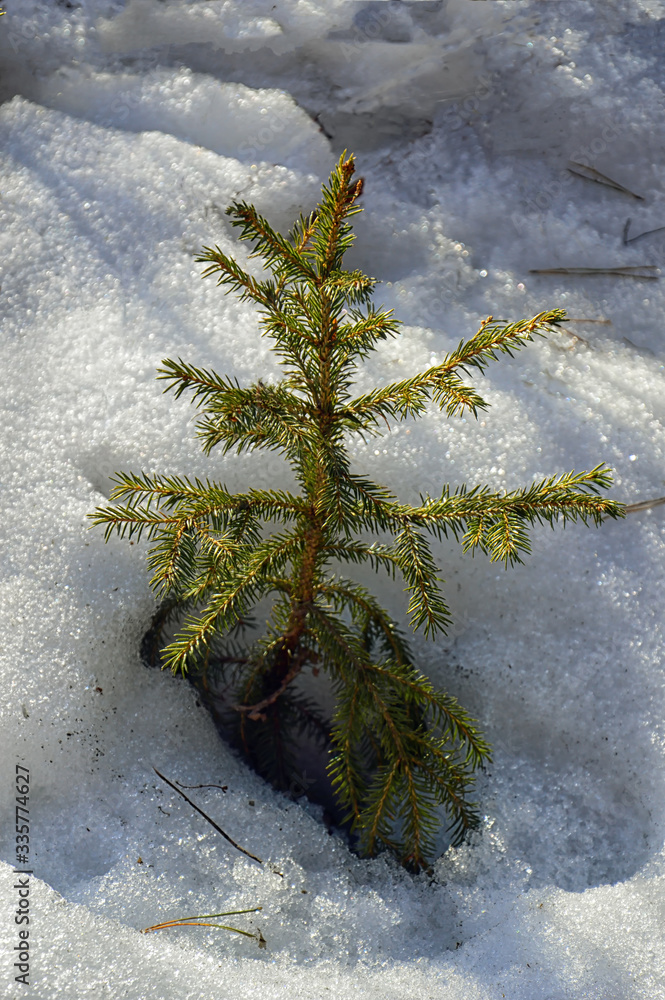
(205, 816)
(224, 788)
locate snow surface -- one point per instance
(124, 133)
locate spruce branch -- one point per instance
(419, 570)
(230, 273)
(283, 259)
(371, 619)
(496, 523)
(402, 755)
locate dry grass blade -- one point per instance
(591, 174)
(196, 923)
(211, 821)
(635, 508)
(202, 921)
(649, 271)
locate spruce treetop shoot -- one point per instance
(401, 754)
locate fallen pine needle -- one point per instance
(637, 271)
(647, 232)
(570, 319)
(591, 174)
(635, 508)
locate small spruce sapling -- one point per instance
(399, 749)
